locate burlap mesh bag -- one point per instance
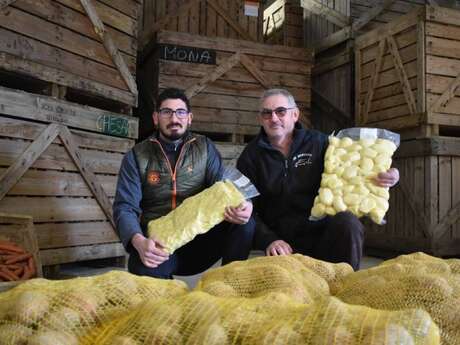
(302, 278)
(199, 318)
(62, 312)
(411, 281)
(196, 215)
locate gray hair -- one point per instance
(282, 92)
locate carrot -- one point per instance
(18, 258)
(7, 245)
(27, 273)
(4, 277)
(31, 266)
(18, 271)
(9, 274)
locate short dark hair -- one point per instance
(172, 93)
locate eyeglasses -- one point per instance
(280, 112)
(168, 113)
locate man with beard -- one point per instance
(155, 177)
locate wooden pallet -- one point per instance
(225, 95)
(424, 213)
(407, 74)
(87, 47)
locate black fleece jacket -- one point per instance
(287, 186)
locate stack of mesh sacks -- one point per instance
(351, 164)
(292, 299)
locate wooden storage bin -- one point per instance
(283, 23)
(64, 178)
(19, 229)
(87, 46)
(424, 213)
(225, 96)
(408, 74)
(211, 18)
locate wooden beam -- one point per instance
(13, 174)
(324, 11)
(408, 94)
(331, 63)
(333, 39)
(374, 80)
(449, 219)
(433, 3)
(376, 8)
(87, 173)
(255, 71)
(220, 70)
(5, 3)
(447, 96)
(233, 23)
(110, 46)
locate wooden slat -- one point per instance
(110, 46)
(234, 24)
(324, 11)
(55, 157)
(12, 175)
(55, 58)
(81, 253)
(390, 77)
(421, 68)
(256, 73)
(443, 47)
(410, 99)
(334, 39)
(231, 45)
(447, 96)
(376, 8)
(222, 116)
(374, 80)
(51, 209)
(217, 73)
(12, 63)
(130, 7)
(58, 183)
(58, 235)
(87, 173)
(48, 109)
(14, 128)
(442, 15)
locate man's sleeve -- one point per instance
(126, 207)
(263, 236)
(214, 164)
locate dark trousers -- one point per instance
(230, 242)
(334, 239)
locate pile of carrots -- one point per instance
(15, 262)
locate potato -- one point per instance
(14, 334)
(63, 319)
(52, 338)
(123, 340)
(325, 196)
(339, 204)
(392, 334)
(282, 335)
(210, 334)
(30, 306)
(345, 142)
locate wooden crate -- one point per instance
(407, 74)
(19, 229)
(225, 96)
(424, 213)
(211, 18)
(283, 23)
(86, 47)
(229, 152)
(63, 177)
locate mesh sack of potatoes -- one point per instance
(196, 215)
(411, 281)
(300, 277)
(354, 157)
(44, 312)
(270, 319)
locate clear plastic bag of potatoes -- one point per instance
(353, 159)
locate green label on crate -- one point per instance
(113, 125)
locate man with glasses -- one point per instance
(156, 176)
(285, 163)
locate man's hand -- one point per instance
(278, 247)
(387, 179)
(150, 251)
(240, 214)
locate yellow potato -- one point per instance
(325, 196)
(334, 141)
(369, 152)
(330, 211)
(366, 205)
(366, 164)
(351, 199)
(350, 172)
(345, 142)
(318, 210)
(366, 142)
(338, 204)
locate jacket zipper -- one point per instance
(171, 171)
(285, 167)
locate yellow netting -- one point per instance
(268, 300)
(59, 312)
(301, 277)
(196, 215)
(411, 281)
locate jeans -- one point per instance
(230, 242)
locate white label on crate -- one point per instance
(251, 9)
(368, 133)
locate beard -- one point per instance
(174, 135)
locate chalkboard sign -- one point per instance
(187, 54)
